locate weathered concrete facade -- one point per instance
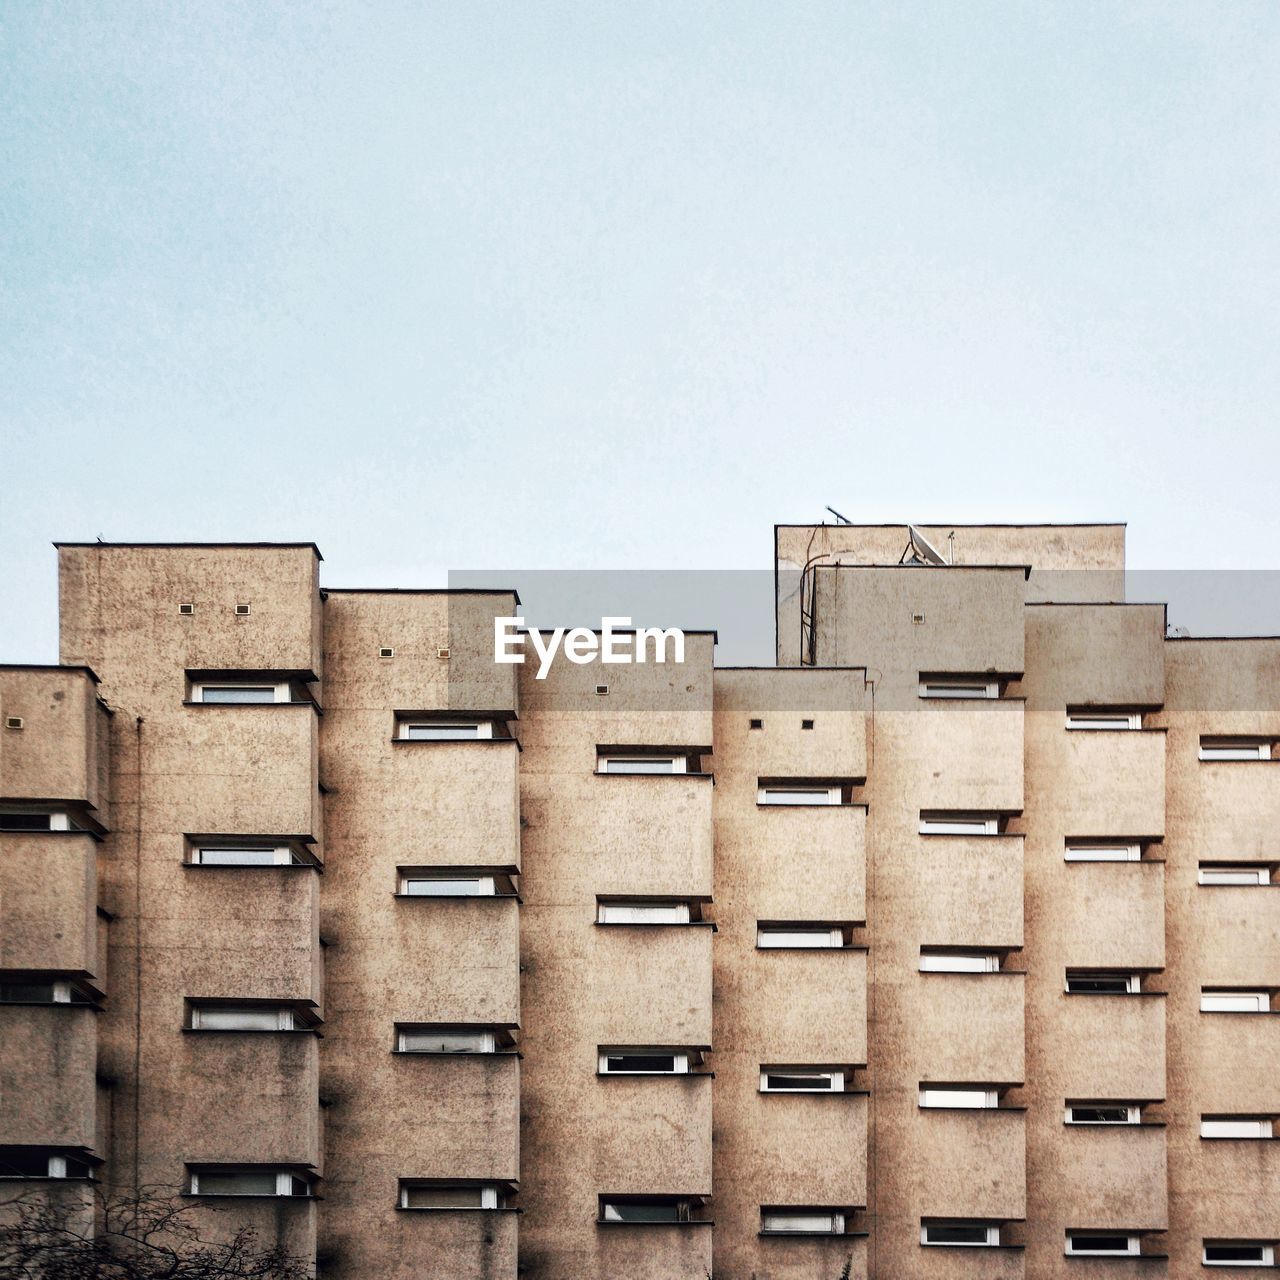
(944, 948)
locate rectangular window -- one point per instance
(241, 693)
(1235, 1127)
(1103, 853)
(1235, 1002)
(798, 936)
(243, 1018)
(41, 1162)
(977, 1234)
(800, 1080)
(640, 912)
(797, 1221)
(964, 1099)
(50, 820)
(1104, 1113)
(641, 764)
(244, 856)
(1235, 749)
(959, 962)
(422, 885)
(414, 1195)
(1103, 984)
(641, 1062)
(1234, 875)
(638, 1209)
(441, 731)
(965, 687)
(798, 795)
(1084, 719)
(959, 824)
(1239, 1254)
(40, 993)
(1101, 1243)
(248, 1182)
(426, 1040)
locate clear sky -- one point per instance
(621, 285)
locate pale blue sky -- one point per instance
(621, 285)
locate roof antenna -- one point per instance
(839, 518)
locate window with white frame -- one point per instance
(797, 794)
(26, 819)
(943, 823)
(1238, 1253)
(434, 1195)
(1085, 718)
(247, 1017)
(972, 1234)
(445, 1040)
(1235, 749)
(1236, 1127)
(642, 764)
(445, 730)
(781, 1222)
(956, 1097)
(1085, 852)
(446, 884)
(792, 935)
(645, 1209)
(1235, 1001)
(959, 687)
(229, 855)
(1102, 1244)
(240, 692)
(642, 911)
(1103, 982)
(42, 1162)
(1104, 1113)
(959, 961)
(248, 1181)
(800, 1080)
(40, 991)
(1239, 874)
(643, 1062)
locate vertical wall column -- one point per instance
(53, 814)
(210, 660)
(791, 1020)
(420, 1072)
(618, 1164)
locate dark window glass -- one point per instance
(646, 1211)
(24, 1162)
(798, 1082)
(24, 822)
(1233, 1253)
(641, 1062)
(1100, 1115)
(1100, 1244)
(957, 1234)
(1100, 984)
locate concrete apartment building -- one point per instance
(942, 949)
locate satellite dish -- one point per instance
(922, 550)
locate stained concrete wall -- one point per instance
(47, 1075)
(586, 985)
(49, 902)
(178, 932)
(391, 959)
(1218, 1063)
(60, 751)
(779, 1007)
